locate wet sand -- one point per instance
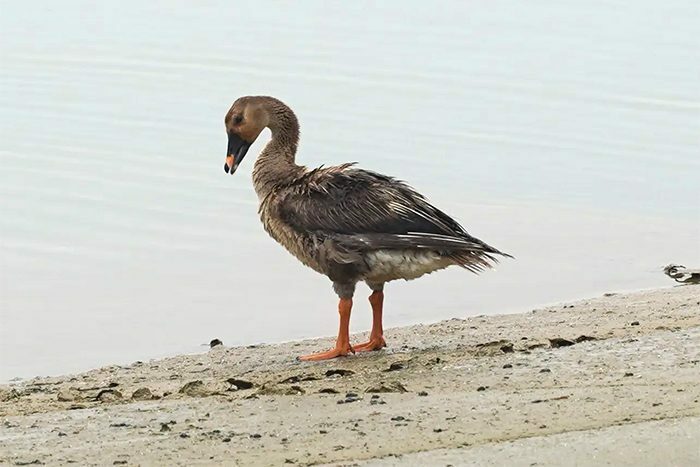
(601, 380)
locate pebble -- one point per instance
(108, 395)
(142, 394)
(396, 366)
(387, 387)
(339, 372)
(68, 395)
(556, 342)
(214, 343)
(239, 384)
(194, 389)
(349, 397)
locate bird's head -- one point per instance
(248, 117)
(244, 122)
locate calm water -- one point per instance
(566, 133)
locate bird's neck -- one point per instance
(276, 166)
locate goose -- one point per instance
(344, 222)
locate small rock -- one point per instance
(609, 294)
(184, 435)
(545, 370)
(398, 418)
(560, 342)
(438, 430)
(119, 462)
(298, 378)
(507, 348)
(108, 395)
(481, 388)
(164, 427)
(349, 397)
(328, 391)
(256, 436)
(226, 440)
(387, 387)
(339, 372)
(628, 374)
(272, 389)
(214, 343)
(142, 394)
(9, 394)
(583, 338)
(239, 384)
(423, 393)
(60, 433)
(507, 365)
(634, 323)
(68, 395)
(396, 366)
(194, 389)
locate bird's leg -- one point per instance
(342, 344)
(376, 336)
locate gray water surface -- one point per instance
(565, 133)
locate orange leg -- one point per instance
(342, 344)
(376, 336)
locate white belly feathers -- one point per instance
(387, 265)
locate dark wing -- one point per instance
(367, 210)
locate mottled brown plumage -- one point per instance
(347, 223)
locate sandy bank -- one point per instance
(441, 389)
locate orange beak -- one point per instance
(229, 163)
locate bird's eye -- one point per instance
(238, 119)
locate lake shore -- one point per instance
(525, 387)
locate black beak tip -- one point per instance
(225, 167)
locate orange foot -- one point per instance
(338, 351)
(375, 343)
